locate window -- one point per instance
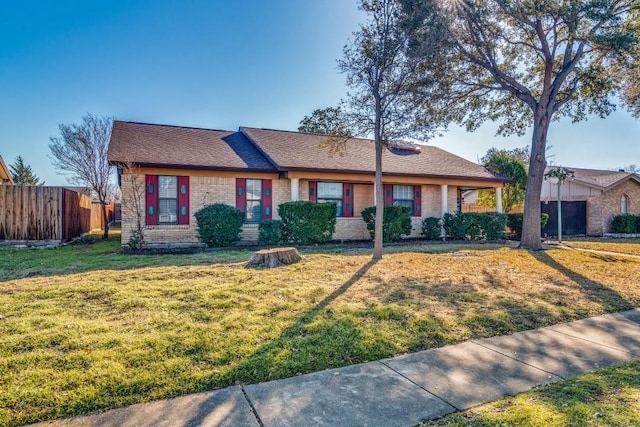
(403, 196)
(624, 204)
(167, 199)
(331, 192)
(341, 193)
(253, 197)
(254, 200)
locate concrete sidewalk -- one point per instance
(400, 391)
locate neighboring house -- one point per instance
(5, 175)
(184, 169)
(590, 200)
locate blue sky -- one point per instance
(214, 64)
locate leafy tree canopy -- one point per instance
(327, 121)
(22, 174)
(512, 164)
(527, 63)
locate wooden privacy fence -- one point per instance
(43, 213)
(97, 220)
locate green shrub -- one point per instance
(492, 224)
(544, 218)
(431, 228)
(515, 220)
(269, 232)
(219, 224)
(474, 226)
(396, 222)
(306, 222)
(456, 225)
(625, 223)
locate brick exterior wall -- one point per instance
(211, 188)
(603, 207)
(203, 191)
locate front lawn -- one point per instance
(84, 327)
(625, 246)
(610, 397)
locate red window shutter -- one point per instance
(151, 199)
(241, 198)
(313, 191)
(388, 195)
(183, 200)
(347, 199)
(267, 199)
(417, 200)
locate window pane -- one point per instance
(407, 203)
(338, 203)
(329, 190)
(167, 211)
(254, 211)
(254, 189)
(624, 204)
(167, 187)
(403, 192)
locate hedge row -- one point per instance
(306, 222)
(626, 224)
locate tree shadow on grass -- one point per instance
(305, 345)
(609, 300)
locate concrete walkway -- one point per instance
(400, 391)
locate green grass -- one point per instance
(85, 327)
(610, 397)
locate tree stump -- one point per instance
(275, 257)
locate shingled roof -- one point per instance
(184, 147)
(598, 178)
(277, 151)
(5, 175)
(300, 151)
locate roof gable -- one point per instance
(600, 179)
(184, 147)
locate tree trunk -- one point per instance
(378, 237)
(105, 219)
(276, 257)
(531, 230)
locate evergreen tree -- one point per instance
(22, 173)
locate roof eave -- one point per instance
(195, 167)
(6, 170)
(361, 172)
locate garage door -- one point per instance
(574, 218)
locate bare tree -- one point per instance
(380, 72)
(527, 63)
(133, 203)
(80, 152)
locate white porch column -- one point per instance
(443, 199)
(375, 194)
(499, 199)
(295, 189)
(443, 207)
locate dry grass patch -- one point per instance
(118, 329)
(625, 246)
